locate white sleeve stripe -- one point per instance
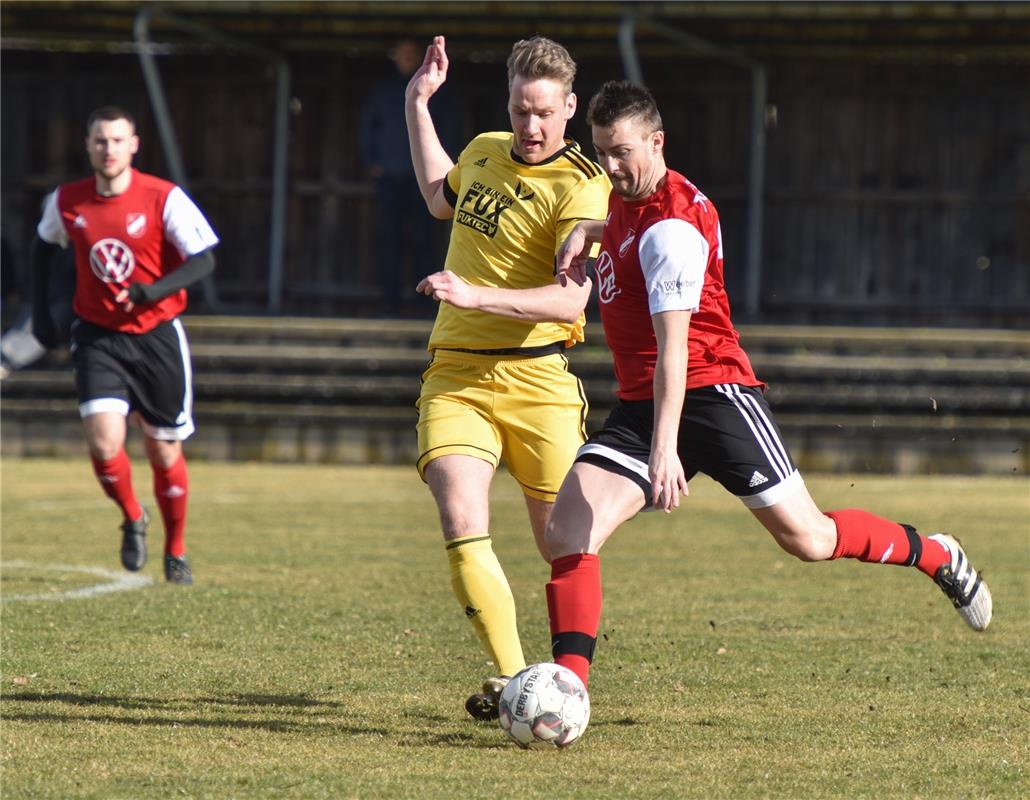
(185, 225)
(674, 259)
(51, 227)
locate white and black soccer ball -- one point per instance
(545, 705)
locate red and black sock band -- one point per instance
(573, 643)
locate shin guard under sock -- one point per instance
(482, 590)
(874, 539)
(574, 611)
(171, 489)
(115, 477)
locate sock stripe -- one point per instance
(915, 545)
(467, 540)
(573, 643)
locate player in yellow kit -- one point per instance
(498, 387)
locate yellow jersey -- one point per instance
(510, 218)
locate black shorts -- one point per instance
(146, 372)
(726, 431)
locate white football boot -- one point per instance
(964, 585)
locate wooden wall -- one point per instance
(896, 192)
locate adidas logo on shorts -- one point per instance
(757, 479)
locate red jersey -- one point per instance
(664, 253)
(138, 236)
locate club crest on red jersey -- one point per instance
(112, 260)
(136, 224)
(630, 236)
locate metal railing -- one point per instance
(756, 171)
(155, 90)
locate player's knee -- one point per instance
(103, 450)
(807, 545)
(563, 539)
(103, 445)
(554, 542)
(458, 520)
(163, 454)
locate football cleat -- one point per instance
(177, 570)
(964, 585)
(483, 705)
(134, 542)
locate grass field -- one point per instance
(321, 655)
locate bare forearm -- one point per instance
(670, 381)
(430, 161)
(670, 376)
(552, 303)
(593, 230)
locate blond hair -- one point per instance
(540, 57)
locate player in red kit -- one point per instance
(139, 241)
(689, 401)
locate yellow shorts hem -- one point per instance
(455, 450)
(539, 494)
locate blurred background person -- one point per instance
(139, 242)
(407, 234)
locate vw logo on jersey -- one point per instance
(136, 224)
(112, 260)
(604, 269)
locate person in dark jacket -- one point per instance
(406, 231)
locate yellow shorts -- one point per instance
(529, 412)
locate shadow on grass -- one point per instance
(476, 741)
(241, 700)
(12, 710)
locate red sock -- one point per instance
(870, 538)
(574, 610)
(115, 476)
(171, 487)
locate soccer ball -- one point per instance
(545, 705)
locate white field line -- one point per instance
(117, 582)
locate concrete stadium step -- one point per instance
(344, 391)
(403, 333)
(772, 338)
(387, 391)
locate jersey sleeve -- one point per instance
(587, 200)
(451, 185)
(673, 258)
(51, 227)
(185, 226)
(452, 180)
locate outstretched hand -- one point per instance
(446, 287)
(571, 260)
(433, 72)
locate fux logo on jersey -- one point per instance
(481, 208)
(112, 260)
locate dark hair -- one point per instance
(109, 114)
(620, 99)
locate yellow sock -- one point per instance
(481, 588)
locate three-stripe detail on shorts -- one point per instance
(761, 426)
